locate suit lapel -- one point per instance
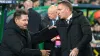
(70, 22)
(50, 23)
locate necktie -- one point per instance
(53, 22)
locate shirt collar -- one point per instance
(69, 17)
(57, 18)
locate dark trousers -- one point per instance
(55, 52)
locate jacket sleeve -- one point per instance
(43, 35)
(87, 34)
(14, 43)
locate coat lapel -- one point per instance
(70, 23)
(27, 36)
(29, 40)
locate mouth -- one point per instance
(26, 25)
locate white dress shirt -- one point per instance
(68, 19)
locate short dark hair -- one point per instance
(66, 3)
(20, 12)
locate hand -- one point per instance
(53, 39)
(45, 52)
(52, 27)
(74, 52)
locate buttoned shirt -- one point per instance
(68, 19)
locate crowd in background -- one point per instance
(37, 3)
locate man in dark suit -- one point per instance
(50, 20)
(17, 40)
(74, 30)
(34, 24)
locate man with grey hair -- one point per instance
(50, 20)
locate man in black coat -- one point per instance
(74, 30)
(34, 24)
(17, 40)
(50, 20)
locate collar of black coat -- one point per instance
(77, 13)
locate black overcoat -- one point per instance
(76, 34)
(45, 23)
(18, 42)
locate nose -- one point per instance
(26, 22)
(58, 14)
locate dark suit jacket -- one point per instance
(46, 21)
(18, 42)
(34, 23)
(76, 34)
(48, 44)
